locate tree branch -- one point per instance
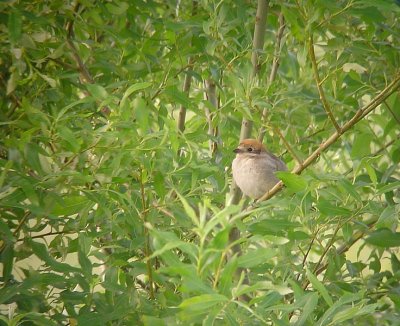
(186, 87)
(258, 44)
(211, 96)
(259, 35)
(358, 116)
(84, 72)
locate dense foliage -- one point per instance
(111, 214)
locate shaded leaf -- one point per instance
(384, 238)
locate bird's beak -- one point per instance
(237, 150)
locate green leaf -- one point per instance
(352, 312)
(395, 263)
(310, 302)
(159, 184)
(388, 218)
(51, 81)
(189, 210)
(84, 261)
(178, 96)
(32, 157)
(351, 189)
(328, 209)
(28, 187)
(226, 280)
(361, 146)
(12, 83)
(7, 259)
(389, 187)
(15, 25)
(42, 252)
(97, 91)
(384, 238)
(141, 113)
(294, 182)
(319, 286)
(132, 89)
(273, 226)
(332, 311)
(70, 140)
(202, 303)
(220, 240)
(117, 9)
(168, 246)
(70, 205)
(193, 284)
(255, 257)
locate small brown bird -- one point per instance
(254, 168)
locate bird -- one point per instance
(254, 168)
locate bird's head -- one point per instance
(250, 147)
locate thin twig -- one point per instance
(346, 246)
(277, 51)
(211, 95)
(328, 246)
(287, 145)
(321, 92)
(348, 5)
(85, 74)
(17, 229)
(47, 235)
(391, 112)
(303, 263)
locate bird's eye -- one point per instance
(249, 149)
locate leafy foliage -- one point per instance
(111, 215)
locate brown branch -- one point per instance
(47, 235)
(245, 131)
(358, 116)
(84, 72)
(186, 87)
(321, 92)
(258, 44)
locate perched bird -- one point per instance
(254, 168)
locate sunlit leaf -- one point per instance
(293, 181)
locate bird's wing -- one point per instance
(278, 164)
